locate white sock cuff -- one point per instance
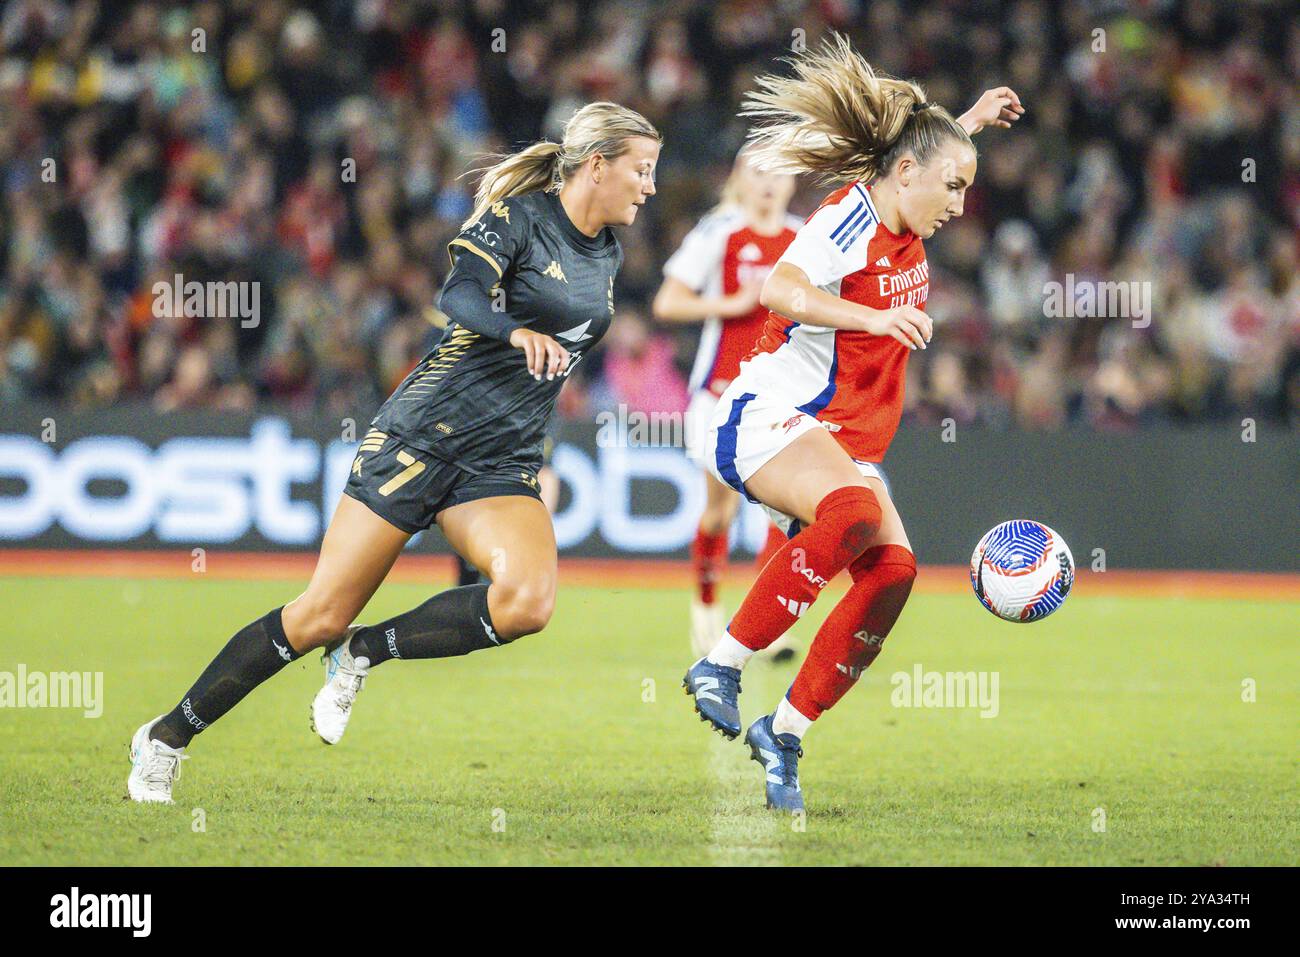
(729, 653)
(790, 720)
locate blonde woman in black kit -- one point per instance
(458, 444)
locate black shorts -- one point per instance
(408, 487)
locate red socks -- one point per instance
(708, 554)
(847, 519)
(850, 638)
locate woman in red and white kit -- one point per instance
(715, 276)
(804, 426)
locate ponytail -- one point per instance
(839, 118)
(536, 167)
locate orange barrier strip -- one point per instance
(596, 572)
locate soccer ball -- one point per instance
(1022, 571)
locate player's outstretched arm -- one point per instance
(789, 292)
(678, 302)
(997, 107)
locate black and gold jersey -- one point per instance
(471, 400)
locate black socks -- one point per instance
(453, 622)
(256, 653)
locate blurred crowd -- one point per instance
(318, 150)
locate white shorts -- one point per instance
(698, 415)
(748, 430)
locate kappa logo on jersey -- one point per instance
(501, 211)
(793, 605)
(555, 272)
(576, 334)
(872, 641)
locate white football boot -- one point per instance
(154, 767)
(344, 678)
(708, 624)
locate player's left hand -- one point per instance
(997, 107)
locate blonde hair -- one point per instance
(839, 118)
(600, 127)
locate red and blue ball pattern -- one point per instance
(1022, 571)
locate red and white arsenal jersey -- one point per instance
(850, 380)
(717, 257)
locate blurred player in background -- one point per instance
(715, 277)
(459, 443)
(803, 428)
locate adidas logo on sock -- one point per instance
(853, 672)
(793, 605)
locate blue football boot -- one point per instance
(780, 754)
(716, 688)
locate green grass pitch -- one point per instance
(577, 746)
